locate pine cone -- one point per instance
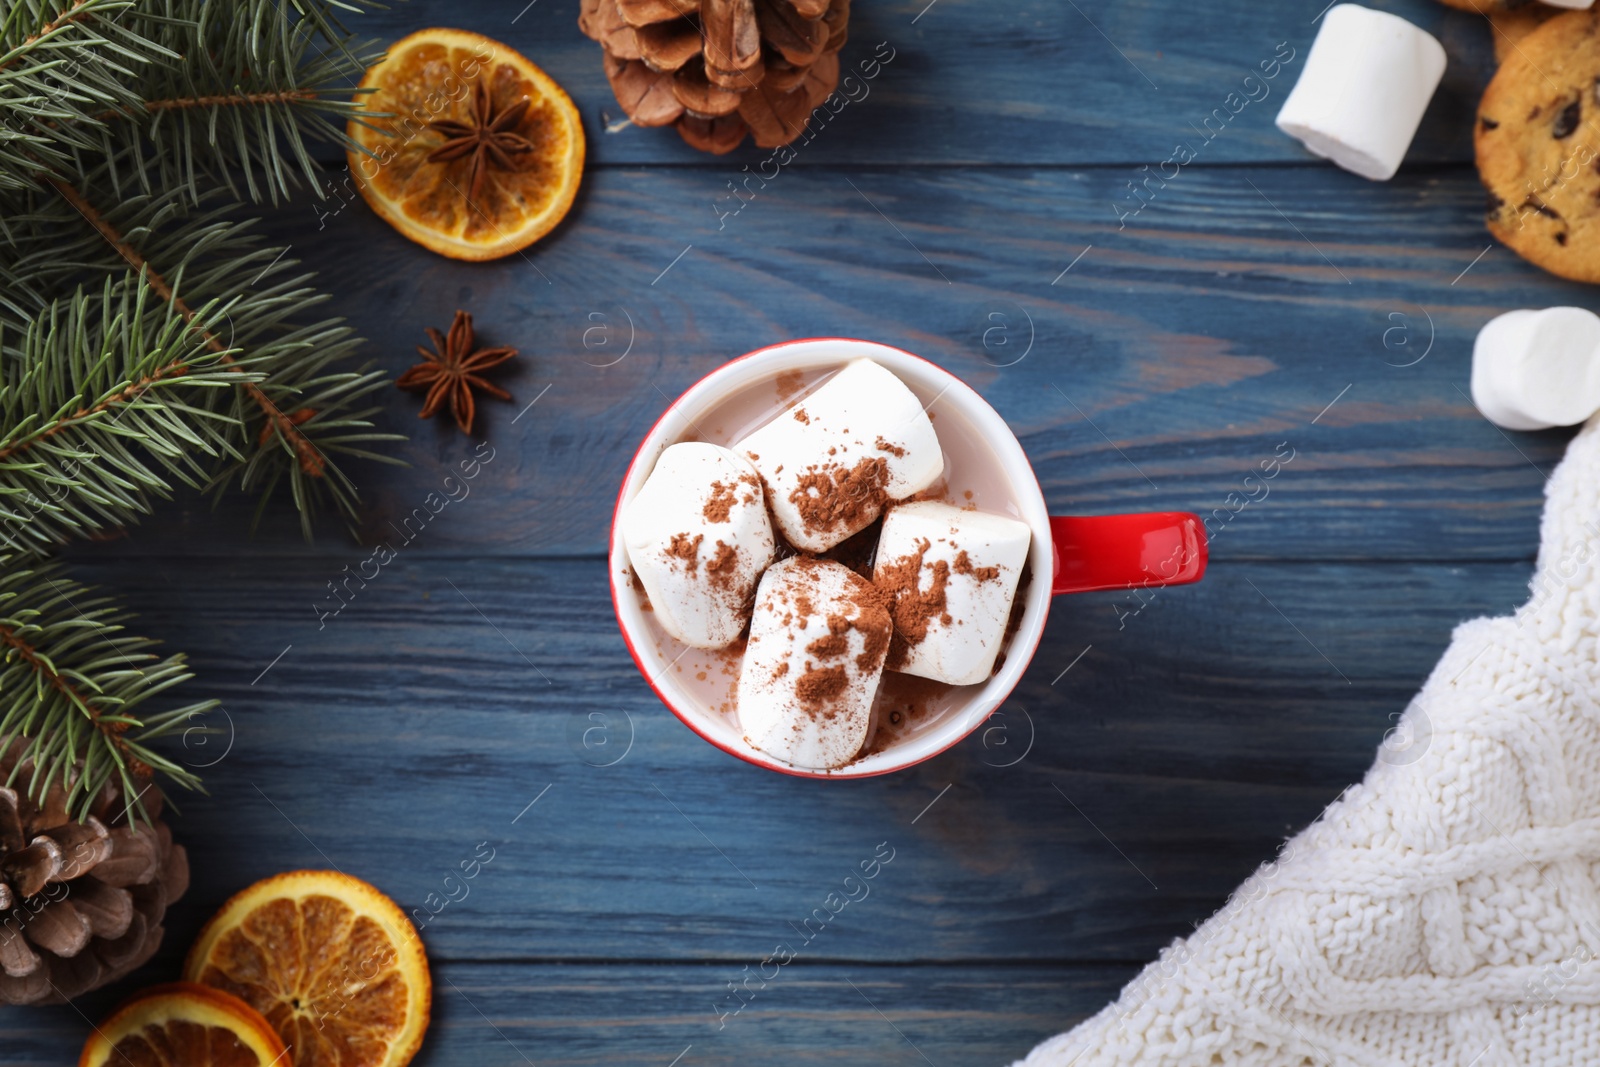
(719, 69)
(81, 904)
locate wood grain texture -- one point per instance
(1100, 815)
(1172, 358)
(450, 694)
(590, 1016)
(974, 206)
(1037, 81)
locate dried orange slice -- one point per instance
(333, 964)
(482, 153)
(184, 1025)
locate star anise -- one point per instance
(451, 371)
(489, 137)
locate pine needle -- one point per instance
(149, 340)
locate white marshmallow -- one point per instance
(1367, 80)
(698, 538)
(826, 447)
(977, 557)
(1575, 5)
(817, 643)
(1532, 370)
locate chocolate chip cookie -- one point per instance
(1511, 27)
(1538, 147)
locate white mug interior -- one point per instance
(958, 411)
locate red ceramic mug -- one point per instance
(984, 465)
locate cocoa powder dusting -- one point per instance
(820, 686)
(789, 383)
(876, 626)
(963, 565)
(638, 588)
(687, 549)
(730, 659)
(1019, 607)
(720, 506)
(890, 447)
(752, 486)
(835, 644)
(866, 611)
(800, 416)
(913, 606)
(720, 568)
(871, 620)
(832, 494)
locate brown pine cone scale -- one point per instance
(720, 69)
(81, 904)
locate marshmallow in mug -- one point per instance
(818, 639)
(1532, 370)
(831, 461)
(952, 575)
(698, 539)
(1367, 81)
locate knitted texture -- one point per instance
(1444, 912)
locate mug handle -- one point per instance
(1127, 551)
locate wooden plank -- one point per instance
(1241, 310)
(1247, 307)
(608, 1016)
(1029, 81)
(446, 706)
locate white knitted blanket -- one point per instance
(1446, 911)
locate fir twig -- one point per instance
(258, 88)
(145, 344)
(299, 365)
(73, 685)
(279, 96)
(311, 461)
(78, 389)
(58, 66)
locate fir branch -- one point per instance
(311, 461)
(98, 409)
(303, 367)
(74, 684)
(255, 89)
(58, 67)
(116, 382)
(77, 10)
(204, 92)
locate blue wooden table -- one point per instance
(988, 203)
